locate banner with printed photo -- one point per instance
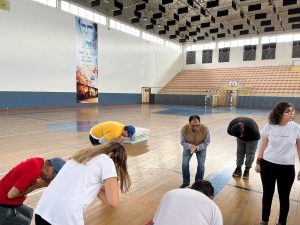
(86, 61)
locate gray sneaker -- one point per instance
(263, 223)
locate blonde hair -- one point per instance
(117, 153)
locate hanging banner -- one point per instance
(86, 61)
(4, 4)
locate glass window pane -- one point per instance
(241, 42)
(74, 9)
(103, 20)
(65, 6)
(254, 41)
(89, 15)
(296, 37)
(233, 43)
(81, 12)
(52, 3)
(247, 42)
(221, 44)
(265, 40)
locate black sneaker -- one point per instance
(246, 174)
(184, 185)
(237, 172)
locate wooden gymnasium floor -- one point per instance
(154, 166)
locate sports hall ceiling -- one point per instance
(202, 20)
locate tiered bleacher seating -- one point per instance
(260, 81)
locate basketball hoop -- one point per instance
(232, 83)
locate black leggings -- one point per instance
(40, 221)
(284, 175)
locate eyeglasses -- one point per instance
(290, 112)
(195, 126)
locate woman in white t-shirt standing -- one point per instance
(91, 173)
(276, 159)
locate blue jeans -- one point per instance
(186, 157)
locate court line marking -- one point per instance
(235, 186)
(259, 192)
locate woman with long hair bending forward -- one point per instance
(276, 159)
(91, 173)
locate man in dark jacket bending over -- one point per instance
(247, 135)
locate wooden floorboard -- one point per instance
(154, 165)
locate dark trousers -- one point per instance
(15, 215)
(284, 175)
(94, 141)
(245, 148)
(40, 221)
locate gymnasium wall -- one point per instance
(37, 60)
(283, 56)
(178, 99)
(261, 102)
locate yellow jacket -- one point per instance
(111, 130)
